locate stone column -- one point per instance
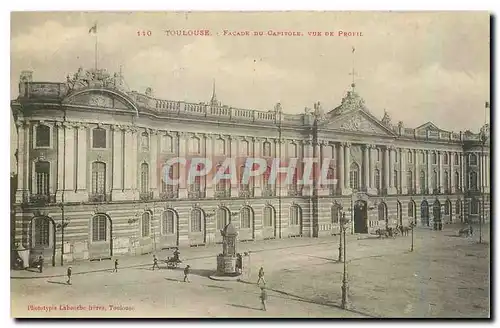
(23, 167)
(392, 164)
(441, 186)
(255, 152)
(487, 172)
(366, 167)
(479, 176)
(341, 169)
(463, 171)
(130, 164)
(429, 171)
(81, 169)
(416, 173)
(233, 151)
(308, 152)
(118, 164)
(402, 164)
(386, 170)
(347, 167)
(153, 163)
(60, 162)
(183, 139)
(372, 167)
(69, 163)
(451, 175)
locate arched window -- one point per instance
(42, 136)
(436, 210)
(42, 178)
(246, 218)
(98, 178)
(424, 209)
(395, 178)
(244, 148)
(434, 158)
(195, 184)
(42, 232)
(222, 183)
(167, 143)
(221, 218)
(409, 179)
(335, 214)
(446, 181)
(168, 222)
(411, 209)
(98, 138)
(293, 151)
(434, 180)
(473, 180)
(382, 212)
(220, 146)
(268, 216)
(265, 179)
(423, 181)
(196, 220)
(295, 215)
(266, 149)
(194, 145)
(445, 158)
(354, 176)
(472, 159)
(457, 179)
(145, 141)
(447, 207)
(456, 158)
(377, 179)
(145, 224)
(144, 178)
(474, 206)
(99, 228)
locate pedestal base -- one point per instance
(226, 265)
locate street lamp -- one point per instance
(345, 283)
(412, 226)
(483, 138)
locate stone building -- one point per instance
(90, 157)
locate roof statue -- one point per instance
(351, 102)
(485, 130)
(319, 113)
(97, 78)
(386, 120)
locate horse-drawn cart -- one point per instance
(172, 262)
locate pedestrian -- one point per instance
(69, 275)
(239, 263)
(263, 298)
(116, 266)
(470, 230)
(187, 269)
(40, 264)
(261, 276)
(155, 263)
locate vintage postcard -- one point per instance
(250, 164)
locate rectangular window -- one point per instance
(98, 138)
(99, 228)
(42, 232)
(42, 136)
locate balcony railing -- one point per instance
(196, 194)
(245, 191)
(169, 194)
(42, 199)
(268, 192)
(295, 192)
(222, 193)
(148, 195)
(98, 198)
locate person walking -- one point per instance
(69, 275)
(40, 264)
(187, 270)
(116, 266)
(261, 276)
(263, 298)
(155, 263)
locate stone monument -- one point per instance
(226, 262)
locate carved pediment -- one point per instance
(359, 122)
(99, 99)
(428, 126)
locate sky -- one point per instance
(419, 66)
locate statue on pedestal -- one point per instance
(228, 260)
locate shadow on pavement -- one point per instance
(219, 287)
(171, 279)
(245, 307)
(57, 282)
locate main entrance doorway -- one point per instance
(360, 217)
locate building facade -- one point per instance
(91, 157)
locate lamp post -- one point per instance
(481, 173)
(412, 226)
(345, 283)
